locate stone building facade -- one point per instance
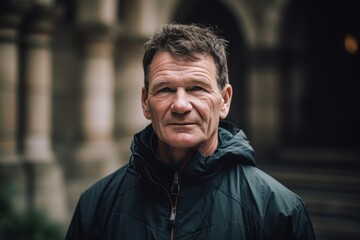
(71, 78)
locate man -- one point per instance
(190, 176)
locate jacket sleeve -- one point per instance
(76, 230)
(295, 226)
(90, 213)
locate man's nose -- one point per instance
(181, 103)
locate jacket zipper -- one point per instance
(175, 191)
(176, 187)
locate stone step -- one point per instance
(323, 180)
(328, 228)
(346, 205)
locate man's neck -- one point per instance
(173, 156)
(177, 156)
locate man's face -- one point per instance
(184, 102)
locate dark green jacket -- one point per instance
(224, 196)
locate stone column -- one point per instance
(37, 100)
(264, 86)
(44, 175)
(96, 154)
(11, 172)
(264, 106)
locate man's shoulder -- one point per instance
(109, 185)
(95, 202)
(260, 179)
(264, 186)
(274, 205)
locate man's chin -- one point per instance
(182, 142)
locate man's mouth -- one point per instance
(181, 123)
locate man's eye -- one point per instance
(196, 88)
(166, 90)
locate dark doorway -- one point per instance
(321, 74)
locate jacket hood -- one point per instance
(233, 148)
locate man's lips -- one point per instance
(181, 123)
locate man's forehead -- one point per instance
(165, 65)
(163, 57)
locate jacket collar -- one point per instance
(233, 148)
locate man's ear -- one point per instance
(144, 103)
(226, 95)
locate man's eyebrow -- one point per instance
(160, 84)
(194, 81)
(200, 80)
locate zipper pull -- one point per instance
(175, 189)
(172, 218)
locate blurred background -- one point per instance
(70, 86)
